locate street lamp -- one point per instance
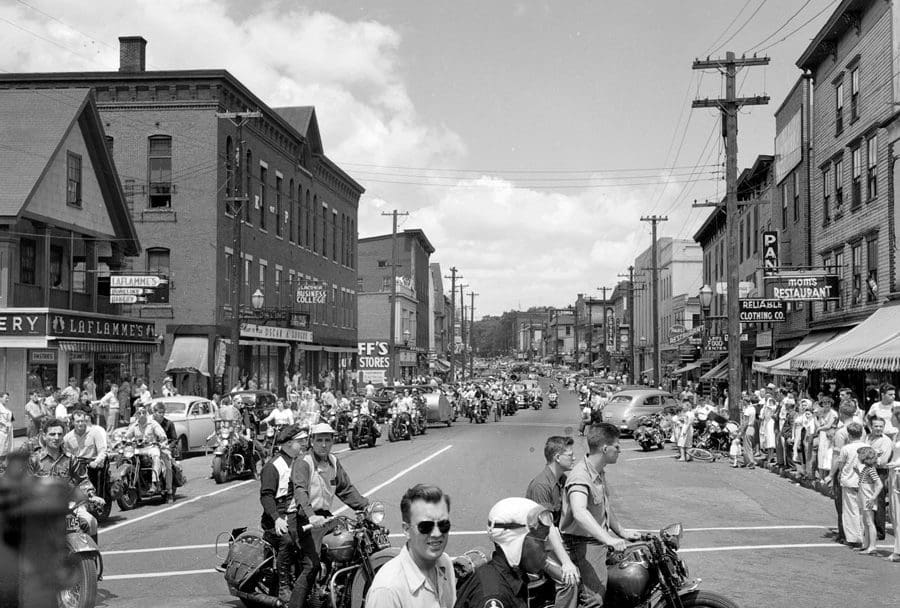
(257, 299)
(706, 296)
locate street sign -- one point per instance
(762, 311)
(803, 287)
(138, 288)
(676, 330)
(311, 293)
(125, 299)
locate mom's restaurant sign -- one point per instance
(84, 326)
(803, 288)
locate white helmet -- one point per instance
(323, 428)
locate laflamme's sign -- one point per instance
(803, 288)
(72, 326)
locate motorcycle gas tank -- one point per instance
(632, 576)
(338, 545)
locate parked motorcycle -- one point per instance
(233, 455)
(399, 427)
(353, 550)
(553, 400)
(139, 480)
(648, 433)
(362, 431)
(647, 574)
(84, 560)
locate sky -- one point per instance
(525, 138)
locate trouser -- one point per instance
(893, 491)
(881, 506)
(589, 556)
(165, 459)
(838, 505)
(781, 448)
(308, 545)
(747, 445)
(851, 516)
(154, 453)
(113, 420)
(286, 559)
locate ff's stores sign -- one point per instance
(272, 332)
(803, 288)
(770, 252)
(373, 360)
(762, 311)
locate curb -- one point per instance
(791, 474)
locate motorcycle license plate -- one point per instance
(72, 523)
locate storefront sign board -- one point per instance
(756, 310)
(273, 332)
(42, 356)
(803, 287)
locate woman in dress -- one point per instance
(685, 432)
(767, 428)
(893, 487)
(826, 422)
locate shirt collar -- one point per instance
(415, 578)
(592, 470)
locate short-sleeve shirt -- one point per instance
(883, 448)
(547, 490)
(879, 410)
(89, 445)
(850, 464)
(401, 584)
(586, 479)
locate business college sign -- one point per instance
(803, 288)
(762, 311)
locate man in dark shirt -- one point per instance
(547, 490)
(519, 529)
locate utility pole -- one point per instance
(472, 295)
(729, 109)
(238, 198)
(603, 324)
(392, 343)
(654, 220)
(453, 276)
(462, 329)
(632, 363)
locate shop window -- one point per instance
(79, 274)
(73, 179)
(872, 269)
(160, 171)
(27, 262)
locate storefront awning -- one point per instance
(689, 367)
(719, 372)
(598, 363)
(310, 347)
(90, 346)
(340, 349)
(782, 365)
(441, 366)
(873, 345)
(189, 354)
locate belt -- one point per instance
(577, 539)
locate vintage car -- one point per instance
(193, 419)
(626, 408)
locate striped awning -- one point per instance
(873, 345)
(719, 372)
(99, 346)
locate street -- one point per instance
(750, 535)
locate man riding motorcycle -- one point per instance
(317, 478)
(86, 441)
(148, 431)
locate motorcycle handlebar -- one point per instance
(309, 527)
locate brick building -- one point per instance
(180, 165)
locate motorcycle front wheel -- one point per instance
(702, 599)
(83, 594)
(351, 440)
(218, 470)
(128, 500)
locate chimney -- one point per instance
(132, 54)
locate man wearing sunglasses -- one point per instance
(421, 575)
(588, 525)
(519, 528)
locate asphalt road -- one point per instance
(751, 535)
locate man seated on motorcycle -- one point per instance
(317, 478)
(519, 529)
(167, 456)
(276, 494)
(86, 441)
(147, 431)
(51, 460)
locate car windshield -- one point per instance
(248, 398)
(621, 400)
(173, 407)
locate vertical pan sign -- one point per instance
(770, 252)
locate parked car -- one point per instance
(192, 417)
(626, 408)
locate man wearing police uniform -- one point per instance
(519, 528)
(276, 494)
(317, 478)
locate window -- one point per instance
(747, 233)
(334, 236)
(854, 94)
(352, 243)
(248, 188)
(160, 163)
(230, 206)
(309, 219)
(315, 223)
(755, 228)
(158, 262)
(826, 263)
(27, 262)
(872, 167)
(262, 276)
(855, 173)
(856, 273)
(278, 272)
(839, 271)
(248, 267)
(741, 239)
(796, 191)
(302, 221)
(385, 283)
(229, 260)
(279, 221)
(826, 194)
(839, 109)
(263, 211)
(838, 187)
(872, 269)
(784, 205)
(324, 250)
(568, 330)
(110, 144)
(73, 179)
(289, 213)
(382, 263)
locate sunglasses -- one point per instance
(426, 527)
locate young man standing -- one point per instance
(847, 465)
(422, 573)
(588, 524)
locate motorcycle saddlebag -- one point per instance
(247, 554)
(178, 474)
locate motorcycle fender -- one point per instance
(79, 542)
(219, 451)
(380, 558)
(689, 586)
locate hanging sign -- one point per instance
(762, 311)
(803, 288)
(138, 289)
(770, 252)
(311, 293)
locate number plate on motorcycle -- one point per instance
(72, 523)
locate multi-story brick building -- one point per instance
(413, 290)
(441, 315)
(181, 167)
(64, 227)
(621, 357)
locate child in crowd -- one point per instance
(870, 488)
(735, 449)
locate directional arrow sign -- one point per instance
(126, 291)
(124, 280)
(126, 299)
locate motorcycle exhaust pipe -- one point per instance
(260, 599)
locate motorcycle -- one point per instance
(648, 433)
(234, 455)
(511, 406)
(479, 411)
(105, 487)
(340, 421)
(139, 480)
(553, 400)
(272, 431)
(419, 417)
(647, 574)
(84, 561)
(537, 402)
(353, 550)
(399, 428)
(362, 431)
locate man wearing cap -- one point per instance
(276, 496)
(588, 524)
(317, 478)
(519, 528)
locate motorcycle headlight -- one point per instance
(673, 534)
(129, 451)
(226, 433)
(223, 442)
(376, 513)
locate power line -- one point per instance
(738, 31)
(783, 25)
(502, 171)
(727, 27)
(536, 186)
(542, 179)
(800, 27)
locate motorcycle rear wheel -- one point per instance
(84, 593)
(704, 599)
(128, 500)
